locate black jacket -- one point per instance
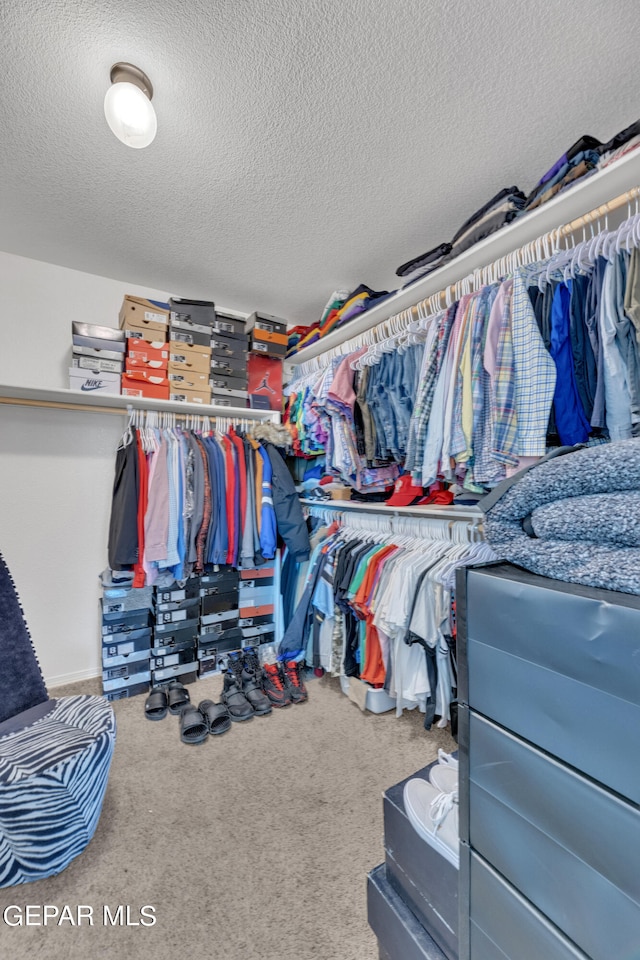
(290, 521)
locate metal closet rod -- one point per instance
(124, 411)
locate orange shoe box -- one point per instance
(143, 383)
(145, 351)
(257, 611)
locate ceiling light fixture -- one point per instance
(128, 107)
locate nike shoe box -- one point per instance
(195, 313)
(225, 640)
(93, 354)
(261, 610)
(183, 331)
(254, 596)
(125, 624)
(265, 380)
(181, 379)
(229, 366)
(217, 603)
(156, 368)
(223, 383)
(180, 615)
(190, 603)
(95, 331)
(97, 343)
(220, 581)
(125, 671)
(123, 689)
(256, 620)
(144, 383)
(122, 645)
(140, 314)
(128, 660)
(229, 398)
(186, 356)
(220, 630)
(175, 634)
(174, 658)
(149, 353)
(184, 395)
(257, 582)
(222, 620)
(266, 324)
(183, 672)
(277, 351)
(178, 591)
(265, 572)
(226, 346)
(118, 599)
(258, 635)
(228, 326)
(94, 381)
(171, 648)
(96, 364)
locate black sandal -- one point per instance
(155, 706)
(216, 716)
(193, 726)
(178, 697)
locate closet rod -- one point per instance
(54, 405)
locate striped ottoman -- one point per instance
(54, 764)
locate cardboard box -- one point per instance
(178, 591)
(124, 624)
(129, 689)
(96, 343)
(93, 363)
(144, 314)
(157, 368)
(213, 603)
(182, 379)
(258, 573)
(219, 399)
(189, 357)
(266, 323)
(141, 383)
(229, 326)
(225, 345)
(249, 613)
(97, 354)
(94, 381)
(268, 337)
(277, 350)
(141, 351)
(265, 379)
(183, 395)
(96, 331)
(199, 312)
(192, 333)
(171, 634)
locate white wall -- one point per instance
(56, 466)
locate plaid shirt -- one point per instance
(503, 389)
(445, 324)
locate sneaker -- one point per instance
(252, 689)
(251, 660)
(434, 816)
(234, 699)
(293, 679)
(274, 687)
(443, 775)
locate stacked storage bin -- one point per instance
(126, 641)
(144, 323)
(97, 358)
(228, 373)
(218, 629)
(268, 349)
(174, 654)
(190, 349)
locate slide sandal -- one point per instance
(155, 706)
(193, 726)
(216, 716)
(178, 697)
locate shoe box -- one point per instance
(186, 356)
(228, 383)
(175, 592)
(185, 395)
(123, 599)
(115, 646)
(400, 935)
(141, 382)
(229, 398)
(94, 381)
(78, 362)
(124, 624)
(182, 330)
(126, 640)
(265, 380)
(177, 611)
(145, 316)
(265, 572)
(184, 673)
(257, 615)
(267, 335)
(197, 313)
(125, 687)
(257, 635)
(172, 635)
(181, 379)
(216, 603)
(147, 354)
(219, 582)
(187, 654)
(131, 667)
(97, 337)
(229, 326)
(426, 882)
(223, 620)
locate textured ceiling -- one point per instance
(302, 146)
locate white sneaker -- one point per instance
(434, 816)
(444, 775)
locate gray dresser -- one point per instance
(549, 736)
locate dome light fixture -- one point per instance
(128, 107)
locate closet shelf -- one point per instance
(585, 196)
(116, 403)
(431, 511)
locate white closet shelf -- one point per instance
(585, 196)
(429, 510)
(44, 396)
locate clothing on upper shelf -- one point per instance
(183, 499)
(378, 607)
(341, 308)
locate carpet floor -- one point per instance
(253, 846)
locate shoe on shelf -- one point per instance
(444, 774)
(252, 689)
(294, 681)
(274, 686)
(434, 816)
(234, 699)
